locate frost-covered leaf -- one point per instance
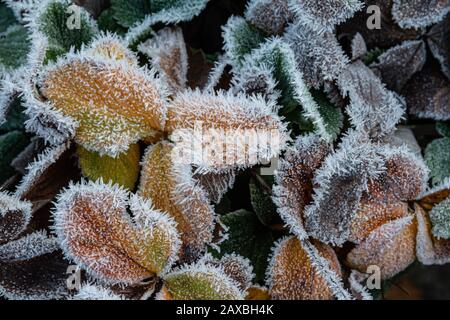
(404, 177)
(240, 38)
(96, 231)
(14, 216)
(23, 159)
(419, 13)
(326, 14)
(33, 268)
(339, 185)
(95, 292)
(254, 80)
(440, 219)
(318, 55)
(372, 214)
(167, 12)
(437, 157)
(55, 21)
(200, 281)
(107, 22)
(270, 16)
(391, 247)
(428, 94)
(247, 237)
(216, 184)
(293, 276)
(278, 56)
(404, 136)
(110, 115)
(11, 144)
(397, 65)
(236, 267)
(167, 50)
(50, 171)
(14, 47)
(173, 190)
(123, 170)
(373, 109)
(221, 131)
(294, 180)
(430, 250)
(359, 47)
(127, 12)
(438, 39)
(112, 47)
(359, 290)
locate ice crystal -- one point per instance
(419, 13)
(95, 230)
(324, 15)
(216, 184)
(95, 292)
(359, 47)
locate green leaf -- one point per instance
(129, 12)
(54, 23)
(11, 144)
(249, 238)
(200, 282)
(107, 22)
(123, 170)
(262, 203)
(443, 129)
(240, 39)
(15, 118)
(437, 157)
(7, 17)
(14, 46)
(331, 115)
(440, 219)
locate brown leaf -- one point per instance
(428, 94)
(397, 65)
(438, 39)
